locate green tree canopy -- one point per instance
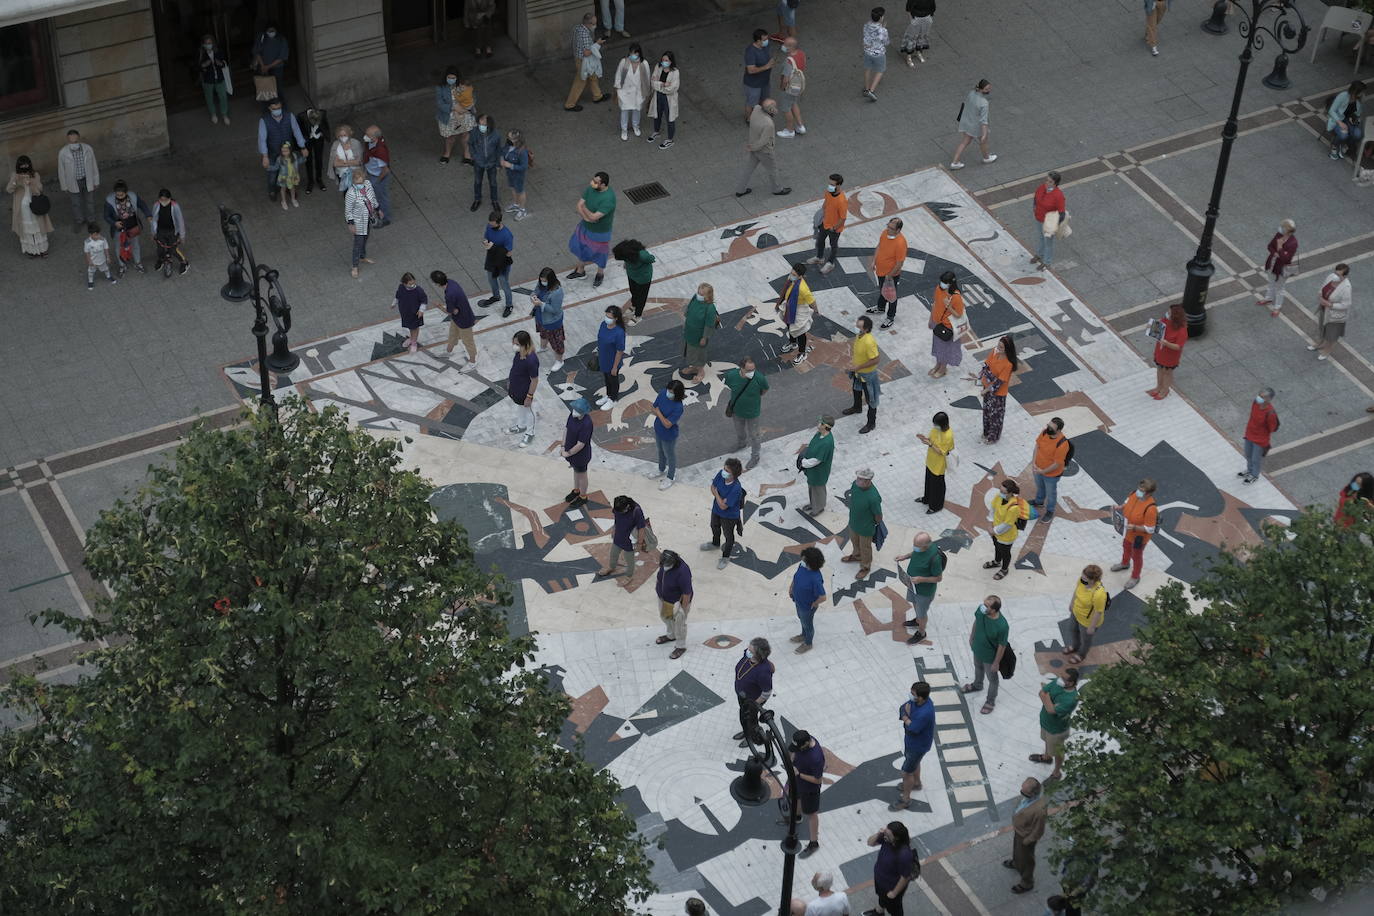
(1230, 767)
(309, 703)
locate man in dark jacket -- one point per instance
(484, 146)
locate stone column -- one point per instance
(543, 28)
(345, 56)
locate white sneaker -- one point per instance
(989, 160)
(665, 483)
(521, 214)
(226, 120)
(637, 133)
(827, 267)
(787, 134)
(556, 366)
(801, 128)
(624, 135)
(604, 403)
(214, 119)
(515, 429)
(1154, 51)
(655, 475)
(813, 260)
(956, 165)
(512, 208)
(526, 439)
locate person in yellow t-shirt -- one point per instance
(863, 370)
(1007, 508)
(1088, 607)
(939, 443)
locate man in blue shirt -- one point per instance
(758, 69)
(673, 586)
(807, 591)
(918, 725)
(808, 759)
(753, 687)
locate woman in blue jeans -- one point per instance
(667, 412)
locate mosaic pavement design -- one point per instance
(663, 727)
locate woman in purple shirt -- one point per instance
(628, 520)
(895, 867)
(577, 449)
(523, 380)
(410, 301)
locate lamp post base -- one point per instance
(1278, 77)
(749, 789)
(282, 359)
(1217, 23)
(238, 289)
(1195, 295)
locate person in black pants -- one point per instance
(894, 869)
(753, 687)
(938, 444)
(727, 510)
(639, 273)
(315, 128)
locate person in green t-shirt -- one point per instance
(815, 460)
(865, 513)
(988, 640)
(639, 272)
(591, 240)
(925, 570)
(1058, 698)
(699, 322)
(747, 387)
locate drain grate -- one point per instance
(642, 194)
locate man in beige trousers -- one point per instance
(1154, 15)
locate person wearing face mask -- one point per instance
(1140, 520)
(939, 442)
(455, 104)
(213, 65)
(988, 639)
(863, 373)
(925, 570)
(360, 212)
(515, 162)
(477, 21)
(886, 265)
(169, 230)
(753, 686)
(123, 209)
(917, 715)
(314, 124)
(1050, 455)
(345, 155)
(1027, 827)
(865, 515)
(1356, 499)
(807, 591)
(792, 84)
(577, 448)
(410, 301)
(875, 41)
(270, 53)
(274, 129)
(1263, 423)
(626, 519)
(673, 586)
(1333, 310)
(78, 174)
(520, 386)
(485, 149)
(610, 354)
(583, 40)
(1283, 250)
(895, 867)
(667, 410)
(759, 150)
(1087, 608)
(547, 310)
(1173, 335)
(973, 124)
(32, 228)
(699, 321)
(632, 90)
(1049, 199)
(797, 308)
(1058, 699)
(727, 510)
(948, 306)
(1009, 515)
(377, 164)
(499, 243)
(815, 460)
(747, 387)
(591, 240)
(758, 67)
(808, 762)
(995, 379)
(287, 165)
(461, 318)
(834, 210)
(666, 80)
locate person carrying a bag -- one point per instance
(1049, 213)
(797, 309)
(989, 640)
(747, 387)
(887, 262)
(628, 519)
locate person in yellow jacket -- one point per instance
(1088, 608)
(1008, 508)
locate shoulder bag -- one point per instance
(730, 408)
(40, 204)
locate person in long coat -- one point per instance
(32, 229)
(632, 90)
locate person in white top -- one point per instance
(97, 256)
(829, 903)
(1334, 311)
(345, 155)
(632, 90)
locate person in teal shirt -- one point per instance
(747, 387)
(925, 570)
(815, 463)
(988, 640)
(639, 271)
(698, 324)
(865, 512)
(1058, 699)
(591, 240)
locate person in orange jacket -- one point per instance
(1142, 520)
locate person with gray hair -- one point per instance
(758, 150)
(583, 37)
(1263, 422)
(830, 902)
(753, 687)
(1283, 251)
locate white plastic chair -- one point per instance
(1346, 21)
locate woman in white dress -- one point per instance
(632, 89)
(31, 228)
(345, 155)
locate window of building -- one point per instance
(26, 78)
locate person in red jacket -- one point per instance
(1264, 420)
(1168, 351)
(1283, 249)
(1048, 199)
(1359, 494)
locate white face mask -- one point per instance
(665, 64)
(516, 347)
(916, 698)
(634, 58)
(830, 188)
(983, 608)
(76, 146)
(749, 374)
(1281, 230)
(577, 415)
(208, 46)
(749, 652)
(276, 113)
(765, 43)
(410, 286)
(1259, 400)
(858, 328)
(944, 286)
(271, 33)
(727, 476)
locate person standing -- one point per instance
(1009, 515)
(807, 591)
(793, 84)
(834, 210)
(461, 318)
(79, 175)
(816, 459)
(808, 760)
(973, 124)
(787, 17)
(727, 510)
(1154, 15)
(275, 129)
(797, 309)
(886, 265)
(925, 570)
(1283, 249)
(863, 373)
(515, 162)
(757, 64)
(1048, 199)
(1140, 516)
(916, 38)
(945, 346)
(753, 686)
(1048, 459)
(270, 53)
(1333, 310)
(614, 22)
(1058, 699)
(995, 380)
(485, 149)
(360, 212)
(124, 214)
(747, 387)
(639, 273)
(1169, 351)
(939, 442)
(632, 90)
(1263, 423)
(520, 386)
(865, 515)
(477, 19)
(666, 81)
(547, 302)
(988, 640)
(455, 106)
(1027, 826)
(667, 410)
(213, 65)
(876, 40)
(1356, 499)
(591, 240)
(577, 448)
(610, 354)
(759, 150)
(627, 518)
(1345, 120)
(314, 124)
(499, 243)
(287, 166)
(169, 230)
(583, 37)
(827, 903)
(894, 869)
(699, 322)
(345, 155)
(410, 301)
(917, 715)
(377, 164)
(97, 253)
(673, 586)
(1087, 608)
(32, 228)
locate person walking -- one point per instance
(1261, 426)
(667, 410)
(97, 254)
(485, 149)
(787, 17)
(796, 307)
(499, 244)
(995, 379)
(1048, 460)
(666, 81)
(815, 460)
(639, 273)
(673, 586)
(758, 63)
(1154, 15)
(1333, 310)
(834, 211)
(1009, 515)
(1027, 827)
(747, 387)
(287, 166)
(973, 124)
(759, 150)
(78, 174)
(1283, 250)
(894, 869)
(577, 448)
(939, 442)
(793, 84)
(583, 38)
(345, 155)
(124, 214)
(727, 510)
(988, 640)
(275, 129)
(1058, 699)
(610, 354)
(1048, 199)
(1140, 520)
(917, 715)
(1087, 608)
(460, 316)
(808, 761)
(807, 591)
(455, 111)
(314, 124)
(213, 66)
(614, 22)
(753, 686)
(916, 38)
(1345, 120)
(865, 515)
(377, 164)
(886, 266)
(169, 230)
(591, 240)
(627, 519)
(520, 387)
(948, 305)
(925, 570)
(1169, 350)
(875, 40)
(515, 162)
(632, 90)
(410, 301)
(361, 212)
(547, 309)
(477, 23)
(699, 321)
(863, 373)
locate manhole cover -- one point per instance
(644, 193)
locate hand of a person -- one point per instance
(266, 163)
(720, 502)
(703, 342)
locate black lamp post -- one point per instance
(1290, 39)
(246, 280)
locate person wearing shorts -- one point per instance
(918, 726)
(758, 70)
(1058, 699)
(808, 759)
(876, 41)
(787, 18)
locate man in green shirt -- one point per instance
(1058, 698)
(591, 240)
(698, 324)
(815, 463)
(747, 386)
(865, 512)
(988, 641)
(925, 570)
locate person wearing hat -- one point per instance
(577, 450)
(673, 585)
(808, 759)
(865, 512)
(815, 463)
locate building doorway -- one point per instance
(235, 24)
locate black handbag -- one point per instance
(40, 204)
(730, 408)
(944, 332)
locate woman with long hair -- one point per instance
(547, 300)
(948, 305)
(610, 354)
(1168, 351)
(1357, 496)
(32, 228)
(665, 83)
(939, 443)
(895, 868)
(521, 385)
(995, 380)
(515, 162)
(455, 106)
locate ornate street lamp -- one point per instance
(749, 789)
(1289, 31)
(246, 280)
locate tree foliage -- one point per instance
(309, 703)
(1231, 767)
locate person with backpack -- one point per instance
(1263, 423)
(793, 85)
(1140, 517)
(989, 641)
(1058, 699)
(924, 571)
(1087, 607)
(1009, 515)
(1051, 456)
